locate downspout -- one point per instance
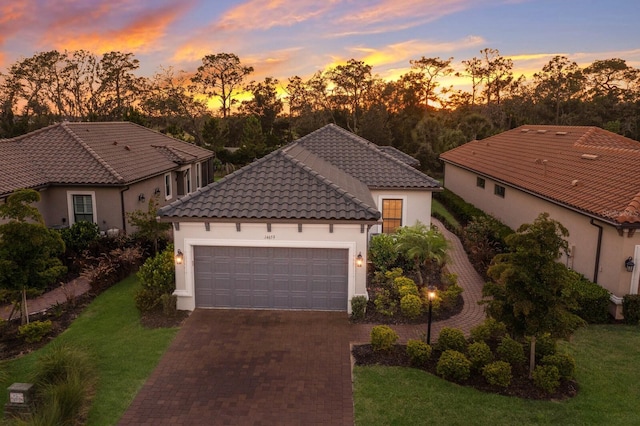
(124, 215)
(599, 246)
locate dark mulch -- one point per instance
(521, 386)
(157, 319)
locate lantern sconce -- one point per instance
(629, 264)
(359, 260)
(156, 192)
(179, 257)
(141, 197)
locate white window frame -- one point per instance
(198, 175)
(405, 208)
(71, 210)
(168, 189)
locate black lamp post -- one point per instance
(432, 295)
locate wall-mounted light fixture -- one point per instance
(359, 260)
(156, 191)
(179, 257)
(629, 264)
(141, 197)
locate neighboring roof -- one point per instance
(584, 168)
(404, 157)
(364, 160)
(108, 153)
(286, 184)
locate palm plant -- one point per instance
(423, 245)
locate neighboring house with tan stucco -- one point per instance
(586, 178)
(291, 230)
(100, 171)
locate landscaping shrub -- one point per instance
(490, 329)
(157, 277)
(79, 236)
(419, 352)
(64, 380)
(631, 308)
(592, 299)
(546, 377)
(405, 286)
(565, 364)
(545, 345)
(34, 331)
(483, 239)
(386, 303)
(452, 339)
(411, 306)
(511, 351)
(382, 251)
(383, 338)
(169, 304)
(453, 365)
(112, 267)
(358, 307)
(498, 373)
(450, 295)
(459, 208)
(479, 353)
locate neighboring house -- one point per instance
(586, 178)
(290, 230)
(100, 171)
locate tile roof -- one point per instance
(286, 184)
(364, 160)
(584, 168)
(90, 153)
(402, 156)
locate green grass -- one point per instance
(437, 207)
(123, 351)
(607, 360)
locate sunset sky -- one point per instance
(283, 38)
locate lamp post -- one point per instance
(431, 295)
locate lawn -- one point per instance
(437, 207)
(124, 352)
(607, 359)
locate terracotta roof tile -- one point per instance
(586, 168)
(90, 153)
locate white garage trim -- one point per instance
(189, 263)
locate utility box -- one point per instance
(20, 400)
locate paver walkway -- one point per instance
(61, 294)
(471, 315)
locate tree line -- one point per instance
(218, 105)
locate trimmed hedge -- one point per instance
(462, 210)
(631, 308)
(592, 299)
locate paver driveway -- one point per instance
(240, 367)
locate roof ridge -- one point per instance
(325, 180)
(91, 152)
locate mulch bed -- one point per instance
(521, 386)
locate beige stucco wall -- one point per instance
(518, 207)
(416, 206)
(345, 236)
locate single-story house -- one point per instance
(584, 177)
(290, 230)
(100, 171)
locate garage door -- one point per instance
(271, 278)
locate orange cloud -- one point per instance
(140, 34)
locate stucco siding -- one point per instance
(416, 206)
(518, 207)
(190, 234)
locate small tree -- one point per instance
(423, 246)
(28, 249)
(148, 225)
(528, 291)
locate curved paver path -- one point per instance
(61, 294)
(471, 315)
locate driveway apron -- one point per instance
(241, 367)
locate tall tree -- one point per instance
(265, 102)
(118, 87)
(427, 71)
(28, 249)
(559, 82)
(221, 76)
(351, 84)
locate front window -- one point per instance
(391, 215)
(82, 208)
(480, 182)
(499, 191)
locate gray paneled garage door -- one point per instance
(271, 278)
